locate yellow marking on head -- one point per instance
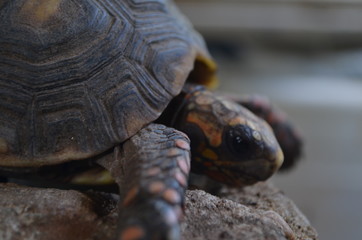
(204, 99)
(236, 121)
(40, 10)
(252, 125)
(240, 120)
(279, 159)
(232, 106)
(256, 135)
(3, 146)
(211, 131)
(208, 153)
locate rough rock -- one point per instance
(257, 212)
(47, 214)
(266, 197)
(209, 217)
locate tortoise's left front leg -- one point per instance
(152, 175)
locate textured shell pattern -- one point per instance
(78, 77)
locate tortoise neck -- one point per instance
(174, 109)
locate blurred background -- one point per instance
(306, 56)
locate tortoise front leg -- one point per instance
(153, 178)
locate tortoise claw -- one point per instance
(150, 220)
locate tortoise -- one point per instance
(87, 81)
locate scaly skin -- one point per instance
(153, 175)
(228, 143)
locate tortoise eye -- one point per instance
(244, 142)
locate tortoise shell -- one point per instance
(79, 77)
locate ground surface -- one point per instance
(257, 212)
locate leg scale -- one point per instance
(155, 168)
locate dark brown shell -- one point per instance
(78, 77)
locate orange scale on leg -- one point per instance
(132, 233)
(171, 196)
(183, 164)
(181, 179)
(156, 187)
(130, 196)
(182, 144)
(153, 171)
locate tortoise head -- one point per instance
(228, 142)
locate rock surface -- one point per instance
(257, 212)
(264, 196)
(39, 213)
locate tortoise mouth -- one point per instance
(243, 173)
